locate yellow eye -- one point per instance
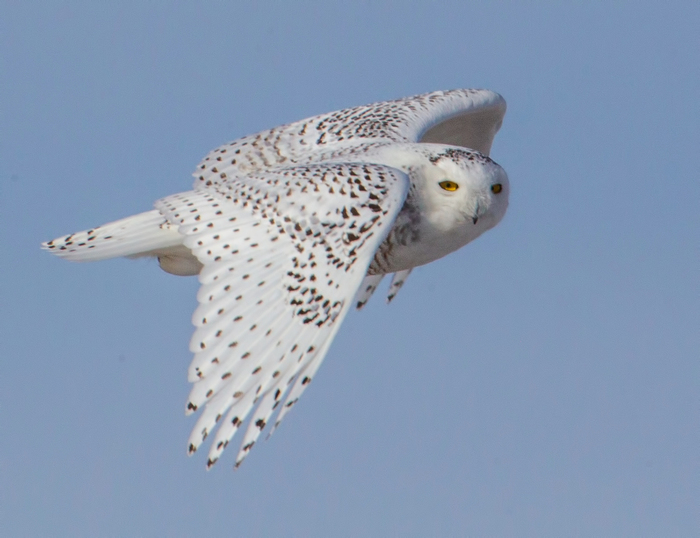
(496, 188)
(449, 185)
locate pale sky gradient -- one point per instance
(543, 381)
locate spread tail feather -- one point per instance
(145, 234)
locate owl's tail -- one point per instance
(145, 234)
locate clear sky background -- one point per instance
(542, 381)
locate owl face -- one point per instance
(463, 188)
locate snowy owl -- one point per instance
(289, 227)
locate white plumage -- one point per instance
(287, 227)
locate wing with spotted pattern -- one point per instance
(284, 254)
(467, 118)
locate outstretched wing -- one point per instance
(468, 118)
(284, 254)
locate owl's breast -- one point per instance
(416, 240)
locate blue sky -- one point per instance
(542, 381)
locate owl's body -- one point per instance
(286, 227)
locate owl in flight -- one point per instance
(287, 228)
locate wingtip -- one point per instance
(239, 461)
(49, 245)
